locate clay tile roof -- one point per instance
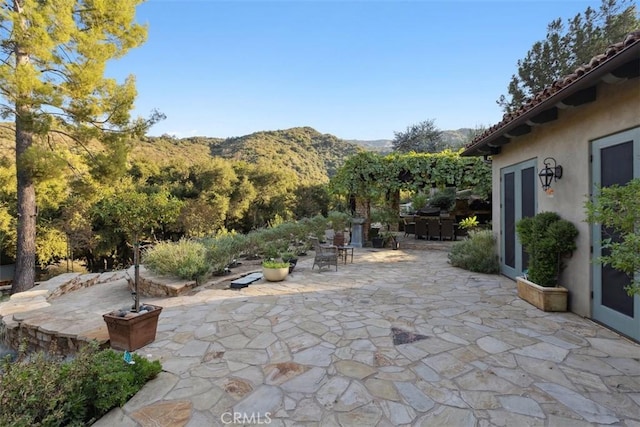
(583, 72)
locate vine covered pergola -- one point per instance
(370, 177)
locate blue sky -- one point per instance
(355, 69)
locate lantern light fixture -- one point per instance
(551, 172)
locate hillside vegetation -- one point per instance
(313, 156)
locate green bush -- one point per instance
(185, 259)
(39, 390)
(618, 208)
(547, 238)
(445, 199)
(476, 253)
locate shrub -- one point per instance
(617, 208)
(45, 391)
(185, 259)
(476, 253)
(547, 238)
(445, 199)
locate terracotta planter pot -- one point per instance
(544, 298)
(132, 333)
(275, 274)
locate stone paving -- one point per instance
(396, 338)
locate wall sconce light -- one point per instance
(549, 173)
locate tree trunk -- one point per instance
(24, 278)
(25, 273)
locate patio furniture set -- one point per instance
(430, 227)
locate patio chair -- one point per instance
(409, 227)
(446, 229)
(326, 256)
(421, 228)
(434, 228)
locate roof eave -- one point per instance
(490, 143)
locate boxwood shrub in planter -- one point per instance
(548, 239)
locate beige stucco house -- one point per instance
(589, 123)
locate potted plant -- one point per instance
(274, 271)
(548, 239)
(135, 214)
(444, 199)
(339, 222)
(385, 217)
(419, 201)
(291, 258)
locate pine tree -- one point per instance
(52, 81)
(566, 47)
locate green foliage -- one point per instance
(419, 200)
(41, 163)
(476, 253)
(567, 47)
(39, 390)
(222, 249)
(287, 256)
(385, 216)
(317, 226)
(469, 223)
(52, 78)
(137, 214)
(338, 220)
(311, 200)
(269, 263)
(422, 137)
(547, 239)
(372, 176)
(185, 259)
(444, 199)
(618, 209)
(314, 157)
(51, 244)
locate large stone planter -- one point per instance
(275, 274)
(133, 331)
(544, 298)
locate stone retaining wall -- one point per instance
(33, 338)
(150, 285)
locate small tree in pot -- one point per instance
(548, 239)
(136, 215)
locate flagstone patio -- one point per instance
(395, 338)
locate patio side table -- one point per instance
(344, 251)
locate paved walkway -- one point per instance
(396, 338)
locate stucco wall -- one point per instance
(568, 140)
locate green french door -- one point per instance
(517, 200)
(616, 160)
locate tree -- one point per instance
(565, 48)
(52, 81)
(617, 209)
(138, 215)
(422, 137)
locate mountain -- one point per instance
(314, 156)
(457, 138)
(379, 145)
(452, 138)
